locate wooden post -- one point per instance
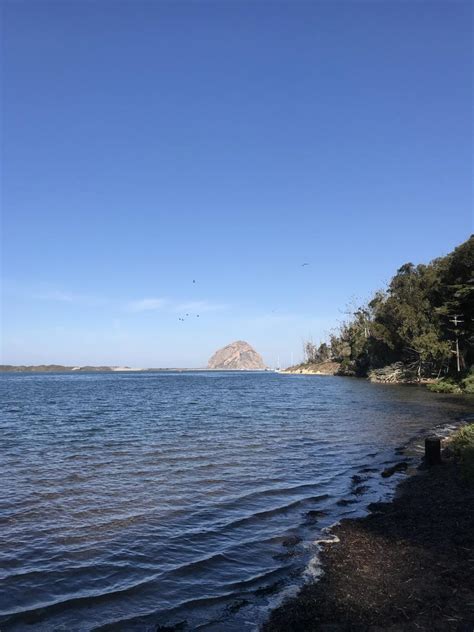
(432, 451)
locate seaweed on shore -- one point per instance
(406, 567)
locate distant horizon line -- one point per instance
(51, 368)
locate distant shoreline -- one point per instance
(59, 368)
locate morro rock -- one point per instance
(238, 355)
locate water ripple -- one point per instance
(131, 500)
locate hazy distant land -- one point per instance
(59, 368)
(237, 356)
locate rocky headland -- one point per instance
(238, 355)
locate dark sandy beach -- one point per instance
(407, 566)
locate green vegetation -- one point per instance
(451, 385)
(423, 322)
(445, 385)
(467, 384)
(463, 447)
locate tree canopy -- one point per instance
(424, 319)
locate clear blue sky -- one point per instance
(147, 144)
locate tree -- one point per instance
(425, 314)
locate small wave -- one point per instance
(44, 609)
(259, 515)
(226, 593)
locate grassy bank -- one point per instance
(407, 566)
(452, 385)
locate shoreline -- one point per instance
(313, 368)
(406, 566)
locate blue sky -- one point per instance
(147, 145)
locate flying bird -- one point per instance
(304, 264)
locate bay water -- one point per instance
(134, 500)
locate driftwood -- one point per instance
(393, 373)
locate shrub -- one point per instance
(463, 447)
(347, 368)
(468, 383)
(445, 385)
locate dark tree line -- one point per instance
(424, 319)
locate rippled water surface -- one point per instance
(131, 500)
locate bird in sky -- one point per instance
(304, 264)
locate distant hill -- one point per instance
(237, 355)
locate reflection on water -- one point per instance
(131, 500)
